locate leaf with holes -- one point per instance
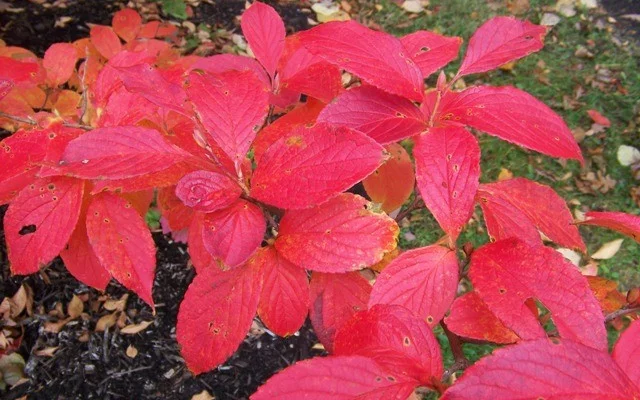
(423, 280)
(216, 314)
(431, 51)
(59, 62)
(384, 117)
(284, 302)
(122, 242)
(376, 57)
(447, 173)
(500, 40)
(40, 221)
(627, 224)
(392, 183)
(264, 30)
(207, 191)
(507, 273)
(544, 369)
(512, 206)
(512, 115)
(312, 165)
(335, 298)
(340, 235)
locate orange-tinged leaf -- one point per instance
(122, 242)
(626, 352)
(607, 293)
(127, 23)
(67, 103)
(627, 224)
(59, 61)
(40, 221)
(173, 209)
(340, 235)
(105, 40)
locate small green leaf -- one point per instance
(174, 8)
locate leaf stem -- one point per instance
(461, 361)
(620, 313)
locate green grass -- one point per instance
(566, 72)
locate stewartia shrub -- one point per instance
(261, 202)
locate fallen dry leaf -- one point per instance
(46, 352)
(116, 305)
(131, 352)
(106, 322)
(608, 250)
(75, 307)
(566, 8)
(518, 7)
(204, 395)
(56, 327)
(504, 174)
(135, 328)
(607, 293)
(570, 255)
(628, 155)
(327, 11)
(412, 6)
(550, 19)
(18, 302)
(598, 118)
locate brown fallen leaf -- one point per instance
(135, 328)
(131, 352)
(75, 307)
(56, 327)
(204, 395)
(46, 352)
(106, 321)
(607, 293)
(608, 250)
(504, 174)
(116, 305)
(18, 302)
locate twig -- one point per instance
(461, 361)
(620, 313)
(416, 204)
(18, 119)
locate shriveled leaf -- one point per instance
(507, 273)
(216, 314)
(607, 250)
(471, 318)
(135, 328)
(264, 30)
(376, 57)
(512, 115)
(500, 40)
(431, 51)
(339, 378)
(340, 235)
(508, 205)
(284, 302)
(313, 165)
(607, 293)
(447, 173)
(234, 233)
(392, 183)
(127, 24)
(122, 242)
(423, 280)
(59, 61)
(626, 352)
(105, 40)
(40, 221)
(626, 224)
(335, 298)
(384, 117)
(599, 118)
(207, 191)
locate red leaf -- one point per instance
(512, 115)
(339, 378)
(384, 117)
(507, 273)
(284, 302)
(231, 106)
(234, 233)
(207, 191)
(423, 280)
(230, 62)
(599, 118)
(431, 51)
(216, 314)
(500, 40)
(376, 57)
(513, 205)
(198, 254)
(264, 30)
(334, 300)
(340, 235)
(119, 153)
(149, 82)
(471, 318)
(5, 87)
(105, 40)
(24, 73)
(626, 352)
(127, 24)
(395, 339)
(392, 184)
(59, 61)
(447, 173)
(313, 165)
(544, 369)
(626, 224)
(40, 221)
(122, 242)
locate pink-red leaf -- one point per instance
(423, 280)
(231, 106)
(447, 173)
(335, 298)
(198, 254)
(340, 235)
(384, 117)
(376, 57)
(149, 82)
(105, 40)
(59, 61)
(500, 40)
(626, 352)
(312, 165)
(40, 221)
(392, 183)
(431, 51)
(599, 118)
(122, 242)
(284, 302)
(627, 224)
(234, 233)
(512, 115)
(507, 273)
(216, 314)
(508, 205)
(207, 191)
(544, 369)
(264, 30)
(5, 87)
(127, 24)
(337, 378)
(230, 62)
